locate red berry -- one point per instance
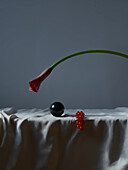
(77, 114)
(80, 127)
(79, 122)
(80, 115)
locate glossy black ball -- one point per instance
(57, 109)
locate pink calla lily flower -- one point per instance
(35, 83)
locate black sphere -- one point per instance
(57, 109)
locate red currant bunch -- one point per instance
(80, 116)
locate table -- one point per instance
(33, 139)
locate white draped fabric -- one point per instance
(33, 139)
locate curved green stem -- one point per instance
(86, 52)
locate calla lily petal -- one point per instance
(35, 83)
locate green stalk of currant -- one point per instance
(35, 83)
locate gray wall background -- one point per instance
(36, 33)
